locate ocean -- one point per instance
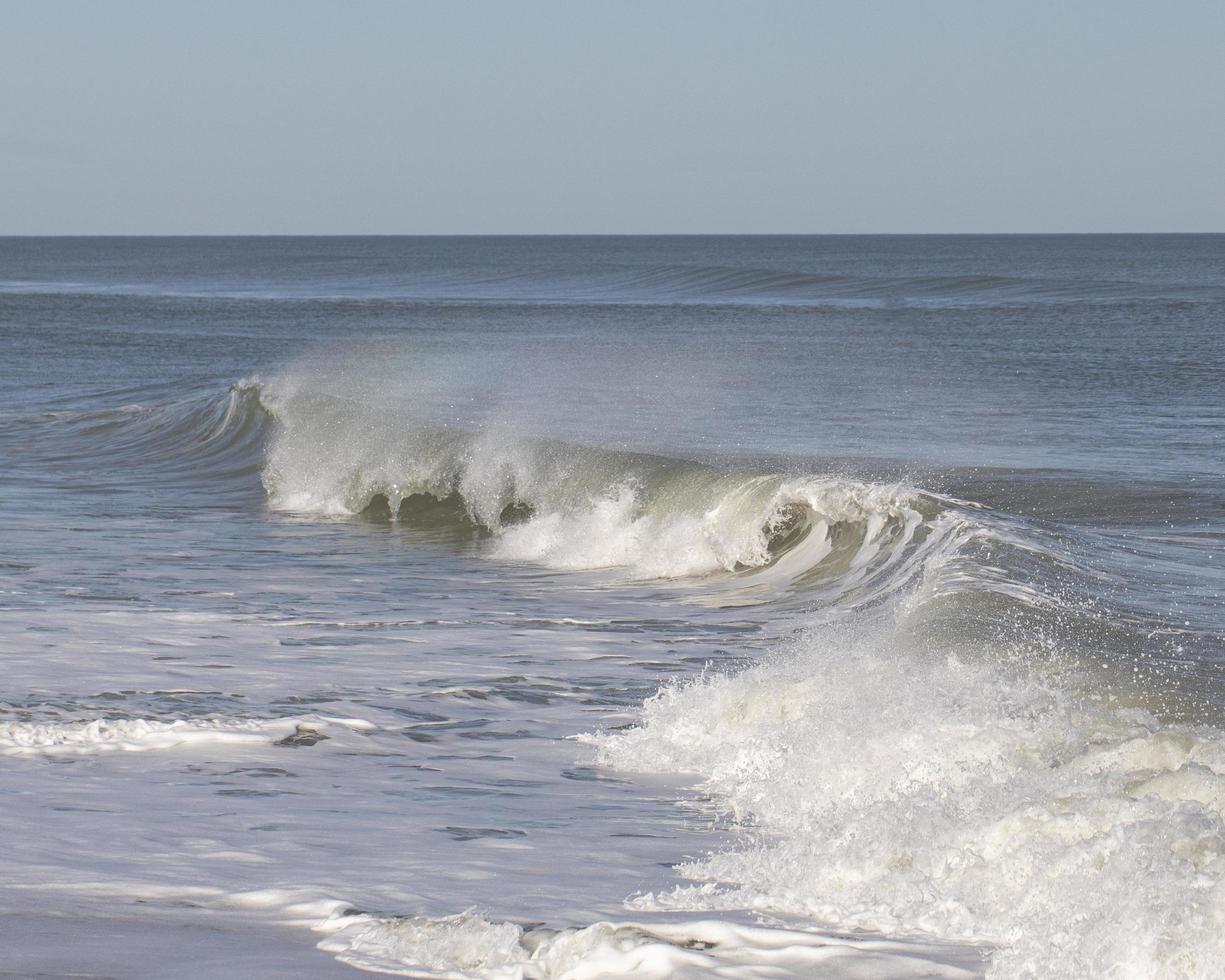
(750, 606)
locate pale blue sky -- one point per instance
(622, 116)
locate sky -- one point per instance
(622, 116)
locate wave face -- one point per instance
(208, 448)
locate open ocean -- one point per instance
(498, 607)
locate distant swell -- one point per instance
(664, 283)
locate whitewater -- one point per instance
(613, 607)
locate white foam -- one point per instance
(470, 946)
(103, 735)
(884, 789)
(713, 532)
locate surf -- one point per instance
(956, 733)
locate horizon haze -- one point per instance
(552, 118)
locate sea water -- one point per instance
(738, 606)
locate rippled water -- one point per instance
(791, 604)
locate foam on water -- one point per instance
(103, 735)
(881, 786)
(468, 946)
(473, 946)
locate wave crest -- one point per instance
(575, 507)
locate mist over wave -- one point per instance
(629, 283)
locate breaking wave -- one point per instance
(744, 534)
(526, 499)
(1021, 796)
(573, 507)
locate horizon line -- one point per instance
(600, 234)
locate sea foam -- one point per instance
(955, 795)
(102, 735)
(469, 945)
(574, 507)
